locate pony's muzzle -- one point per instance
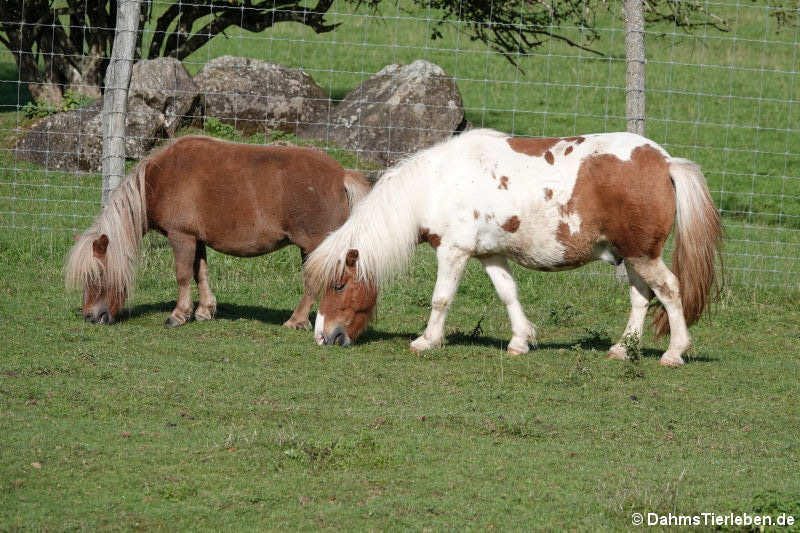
(101, 317)
(337, 336)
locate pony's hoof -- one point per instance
(174, 322)
(203, 314)
(420, 344)
(671, 361)
(297, 324)
(517, 347)
(617, 352)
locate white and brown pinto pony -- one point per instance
(239, 199)
(548, 204)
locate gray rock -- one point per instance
(144, 127)
(398, 111)
(162, 97)
(253, 95)
(73, 140)
(54, 141)
(165, 86)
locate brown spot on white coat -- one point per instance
(532, 146)
(433, 239)
(511, 225)
(607, 197)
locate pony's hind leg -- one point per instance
(207, 304)
(183, 248)
(523, 331)
(665, 284)
(451, 262)
(299, 318)
(640, 298)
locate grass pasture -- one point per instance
(238, 424)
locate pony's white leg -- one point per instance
(451, 262)
(640, 298)
(523, 331)
(183, 248)
(665, 284)
(207, 302)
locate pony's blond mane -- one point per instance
(124, 221)
(383, 227)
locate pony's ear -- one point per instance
(75, 237)
(352, 257)
(99, 246)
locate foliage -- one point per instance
(633, 347)
(214, 127)
(72, 42)
(42, 108)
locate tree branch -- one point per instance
(267, 17)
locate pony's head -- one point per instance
(347, 306)
(91, 269)
(102, 262)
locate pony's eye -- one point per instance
(339, 287)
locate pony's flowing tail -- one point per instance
(698, 238)
(356, 186)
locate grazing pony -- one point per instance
(548, 204)
(239, 199)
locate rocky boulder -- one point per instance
(73, 140)
(253, 95)
(398, 111)
(165, 85)
(161, 98)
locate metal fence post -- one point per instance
(115, 98)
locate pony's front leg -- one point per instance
(299, 318)
(183, 248)
(451, 262)
(207, 304)
(523, 331)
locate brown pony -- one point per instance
(239, 199)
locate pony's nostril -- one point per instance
(104, 318)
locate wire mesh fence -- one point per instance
(723, 94)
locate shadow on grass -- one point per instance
(586, 343)
(225, 311)
(229, 311)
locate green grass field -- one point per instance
(238, 424)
